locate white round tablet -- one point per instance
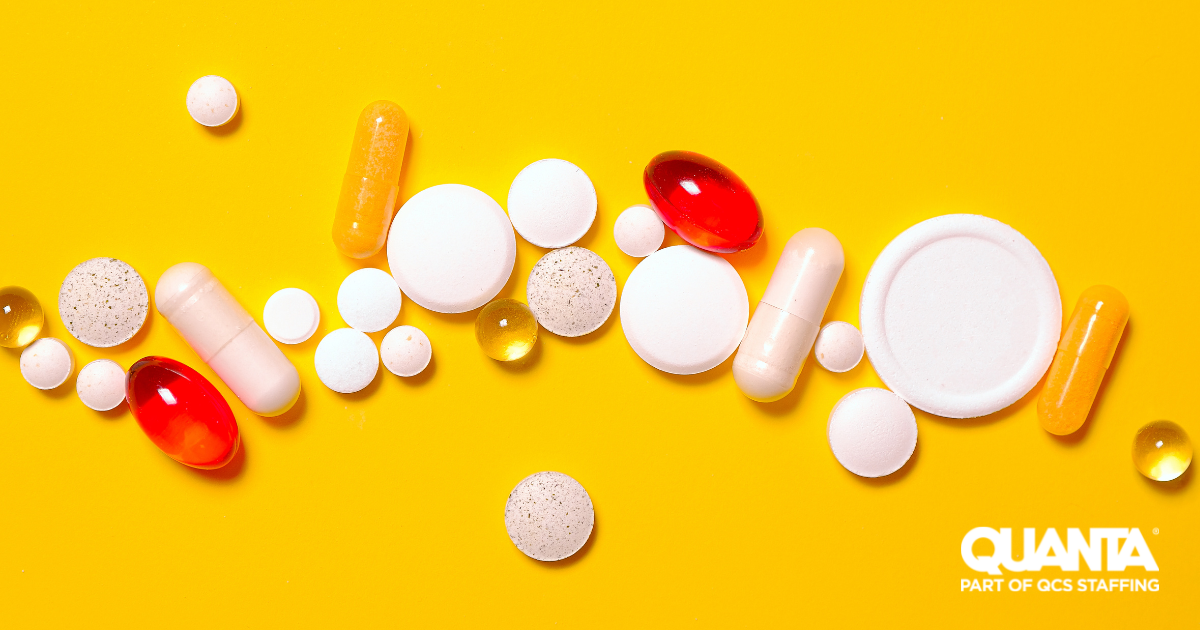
(571, 291)
(292, 316)
(552, 203)
(47, 363)
(684, 311)
(549, 516)
(101, 385)
(406, 351)
(369, 300)
(960, 315)
(638, 231)
(346, 360)
(839, 347)
(212, 101)
(103, 302)
(872, 432)
(451, 248)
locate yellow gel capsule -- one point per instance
(372, 181)
(21, 317)
(506, 330)
(1083, 356)
(1162, 450)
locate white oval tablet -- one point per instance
(212, 101)
(960, 315)
(369, 300)
(684, 311)
(47, 363)
(549, 516)
(406, 351)
(292, 315)
(103, 302)
(101, 385)
(639, 232)
(346, 360)
(571, 291)
(451, 248)
(872, 432)
(839, 347)
(552, 203)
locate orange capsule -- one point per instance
(1083, 357)
(372, 181)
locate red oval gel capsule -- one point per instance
(703, 202)
(182, 413)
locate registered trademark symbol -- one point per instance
(1155, 530)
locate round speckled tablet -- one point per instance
(103, 302)
(47, 363)
(549, 516)
(101, 385)
(571, 291)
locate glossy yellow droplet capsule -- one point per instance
(1083, 357)
(372, 182)
(21, 317)
(506, 330)
(1162, 450)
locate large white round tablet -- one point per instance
(406, 351)
(684, 311)
(101, 385)
(839, 347)
(960, 315)
(292, 315)
(872, 432)
(571, 291)
(346, 360)
(638, 231)
(451, 248)
(549, 516)
(212, 101)
(369, 300)
(552, 203)
(47, 363)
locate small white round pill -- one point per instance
(101, 385)
(872, 432)
(47, 363)
(346, 360)
(549, 516)
(638, 231)
(839, 347)
(552, 203)
(291, 316)
(369, 300)
(212, 101)
(406, 351)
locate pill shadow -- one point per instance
(227, 473)
(367, 391)
(234, 123)
(525, 363)
(116, 413)
(291, 417)
(423, 377)
(750, 257)
(574, 558)
(896, 477)
(1073, 439)
(1175, 486)
(703, 378)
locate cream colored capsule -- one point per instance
(787, 320)
(227, 338)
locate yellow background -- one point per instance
(1077, 125)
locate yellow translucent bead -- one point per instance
(21, 317)
(506, 330)
(371, 184)
(1162, 450)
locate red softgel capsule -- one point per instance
(703, 202)
(182, 413)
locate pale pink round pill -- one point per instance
(101, 385)
(47, 363)
(406, 351)
(638, 231)
(212, 101)
(872, 432)
(839, 347)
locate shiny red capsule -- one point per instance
(703, 202)
(182, 413)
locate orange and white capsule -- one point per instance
(371, 185)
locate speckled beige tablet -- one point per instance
(571, 291)
(103, 302)
(549, 516)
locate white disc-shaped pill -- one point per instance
(552, 203)
(839, 347)
(291, 316)
(960, 315)
(369, 300)
(406, 351)
(638, 231)
(47, 363)
(549, 516)
(212, 101)
(101, 385)
(346, 360)
(872, 432)
(451, 248)
(571, 291)
(103, 302)
(684, 311)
